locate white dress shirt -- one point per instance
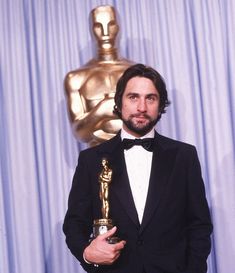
(138, 163)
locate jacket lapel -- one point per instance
(162, 164)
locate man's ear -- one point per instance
(117, 111)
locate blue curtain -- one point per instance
(190, 42)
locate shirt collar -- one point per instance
(124, 134)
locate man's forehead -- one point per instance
(140, 86)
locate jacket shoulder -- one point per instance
(173, 143)
(106, 146)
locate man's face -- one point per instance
(105, 26)
(140, 106)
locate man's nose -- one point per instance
(142, 105)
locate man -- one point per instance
(90, 90)
(157, 195)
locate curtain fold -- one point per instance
(191, 43)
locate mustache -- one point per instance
(138, 115)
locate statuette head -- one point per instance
(105, 27)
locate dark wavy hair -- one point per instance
(140, 70)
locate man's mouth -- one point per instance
(141, 117)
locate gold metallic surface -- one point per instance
(105, 179)
(90, 90)
(101, 222)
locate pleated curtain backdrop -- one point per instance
(190, 42)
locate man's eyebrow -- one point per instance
(133, 93)
(152, 94)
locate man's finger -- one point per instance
(108, 233)
(120, 245)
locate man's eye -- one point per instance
(132, 97)
(151, 98)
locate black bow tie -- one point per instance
(146, 143)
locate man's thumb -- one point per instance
(109, 233)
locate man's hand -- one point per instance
(101, 252)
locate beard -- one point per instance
(138, 127)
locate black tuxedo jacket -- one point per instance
(174, 235)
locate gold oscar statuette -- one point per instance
(101, 226)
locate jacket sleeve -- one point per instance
(77, 225)
(199, 226)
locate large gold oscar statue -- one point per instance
(90, 90)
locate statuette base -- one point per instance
(101, 226)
